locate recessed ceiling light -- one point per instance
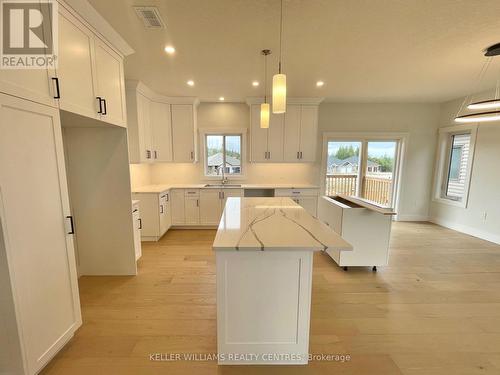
(320, 84)
(221, 99)
(255, 83)
(190, 82)
(170, 50)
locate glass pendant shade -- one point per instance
(479, 117)
(264, 115)
(485, 104)
(279, 93)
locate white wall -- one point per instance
(484, 196)
(227, 116)
(420, 121)
(140, 175)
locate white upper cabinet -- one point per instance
(258, 136)
(183, 133)
(266, 144)
(301, 133)
(158, 130)
(89, 78)
(292, 133)
(161, 128)
(76, 71)
(308, 133)
(110, 84)
(32, 84)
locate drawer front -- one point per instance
(295, 192)
(191, 192)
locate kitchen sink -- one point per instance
(223, 185)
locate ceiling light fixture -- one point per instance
(255, 83)
(494, 103)
(221, 98)
(264, 107)
(320, 84)
(279, 80)
(170, 50)
(190, 83)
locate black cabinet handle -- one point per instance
(99, 99)
(58, 92)
(140, 223)
(105, 111)
(156, 154)
(161, 208)
(72, 231)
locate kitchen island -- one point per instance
(264, 255)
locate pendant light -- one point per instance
(264, 107)
(490, 106)
(279, 80)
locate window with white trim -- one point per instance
(456, 148)
(223, 155)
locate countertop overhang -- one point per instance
(273, 224)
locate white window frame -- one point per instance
(443, 159)
(364, 137)
(224, 131)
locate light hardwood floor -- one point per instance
(434, 310)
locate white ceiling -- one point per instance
(364, 50)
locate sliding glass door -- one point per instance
(364, 168)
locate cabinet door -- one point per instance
(258, 136)
(35, 204)
(75, 71)
(210, 206)
(275, 138)
(32, 84)
(144, 128)
(308, 133)
(192, 208)
(161, 129)
(292, 133)
(309, 204)
(183, 133)
(110, 83)
(177, 206)
(137, 233)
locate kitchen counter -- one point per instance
(164, 187)
(273, 224)
(264, 254)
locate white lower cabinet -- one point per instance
(39, 301)
(307, 198)
(156, 214)
(177, 203)
(210, 206)
(192, 206)
(136, 217)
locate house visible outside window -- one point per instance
(223, 154)
(456, 150)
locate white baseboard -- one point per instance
(495, 238)
(412, 218)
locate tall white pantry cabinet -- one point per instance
(39, 297)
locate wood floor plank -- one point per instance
(435, 309)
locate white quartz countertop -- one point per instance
(273, 224)
(164, 187)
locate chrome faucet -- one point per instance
(224, 181)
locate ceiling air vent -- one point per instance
(150, 16)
